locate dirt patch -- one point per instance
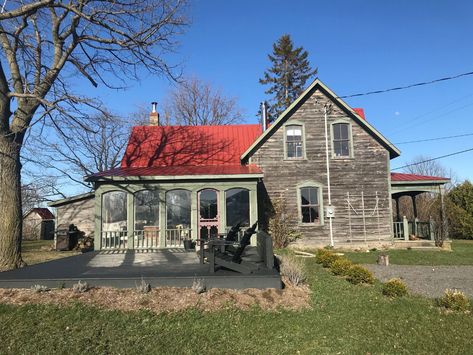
(165, 299)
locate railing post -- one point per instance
(415, 228)
(405, 227)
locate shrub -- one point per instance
(454, 300)
(143, 286)
(80, 287)
(358, 274)
(198, 285)
(326, 257)
(39, 288)
(394, 288)
(279, 228)
(341, 266)
(293, 269)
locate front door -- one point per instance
(208, 213)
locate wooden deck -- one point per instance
(126, 268)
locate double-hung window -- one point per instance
(309, 204)
(294, 142)
(341, 139)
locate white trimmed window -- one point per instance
(341, 140)
(294, 142)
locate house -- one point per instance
(77, 210)
(328, 164)
(38, 224)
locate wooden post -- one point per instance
(443, 217)
(405, 227)
(398, 213)
(414, 209)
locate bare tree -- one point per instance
(76, 152)
(48, 44)
(195, 102)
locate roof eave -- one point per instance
(176, 177)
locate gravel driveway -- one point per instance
(430, 281)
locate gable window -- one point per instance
(341, 139)
(309, 204)
(294, 142)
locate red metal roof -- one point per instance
(185, 146)
(360, 112)
(44, 213)
(414, 177)
(183, 170)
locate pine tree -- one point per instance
(288, 75)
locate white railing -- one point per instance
(176, 237)
(114, 240)
(398, 229)
(146, 239)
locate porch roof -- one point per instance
(180, 172)
(413, 184)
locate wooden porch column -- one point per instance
(443, 217)
(405, 227)
(414, 209)
(398, 213)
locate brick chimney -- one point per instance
(154, 115)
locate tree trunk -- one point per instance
(10, 205)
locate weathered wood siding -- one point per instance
(367, 172)
(80, 213)
(35, 228)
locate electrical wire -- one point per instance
(435, 139)
(407, 86)
(432, 159)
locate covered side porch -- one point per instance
(411, 186)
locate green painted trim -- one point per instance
(302, 125)
(320, 187)
(71, 199)
(351, 153)
(98, 220)
(421, 183)
(130, 223)
(174, 178)
(390, 200)
(394, 151)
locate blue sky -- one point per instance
(358, 46)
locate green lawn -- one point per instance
(461, 254)
(345, 319)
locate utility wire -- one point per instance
(407, 86)
(435, 139)
(432, 159)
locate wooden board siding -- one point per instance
(80, 213)
(35, 228)
(366, 172)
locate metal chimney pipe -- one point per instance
(154, 115)
(264, 115)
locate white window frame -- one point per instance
(301, 125)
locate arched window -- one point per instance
(310, 203)
(341, 134)
(237, 203)
(178, 209)
(146, 209)
(114, 211)
(294, 141)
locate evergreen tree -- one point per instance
(288, 75)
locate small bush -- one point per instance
(341, 266)
(143, 287)
(198, 285)
(293, 269)
(394, 288)
(358, 274)
(39, 288)
(80, 287)
(454, 300)
(326, 257)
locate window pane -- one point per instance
(114, 211)
(305, 196)
(344, 131)
(208, 204)
(178, 209)
(146, 209)
(313, 196)
(344, 148)
(237, 203)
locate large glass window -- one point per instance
(341, 139)
(237, 203)
(309, 204)
(114, 211)
(178, 209)
(146, 209)
(294, 144)
(208, 204)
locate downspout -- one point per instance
(328, 176)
